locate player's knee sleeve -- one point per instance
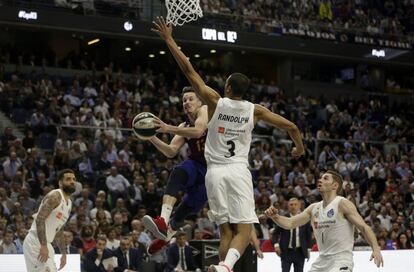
(180, 214)
(176, 182)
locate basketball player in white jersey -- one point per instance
(333, 220)
(228, 179)
(47, 227)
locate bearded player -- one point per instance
(47, 227)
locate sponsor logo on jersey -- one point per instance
(233, 119)
(59, 215)
(330, 213)
(325, 224)
(221, 129)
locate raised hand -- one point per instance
(162, 28)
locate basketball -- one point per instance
(143, 125)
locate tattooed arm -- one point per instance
(60, 241)
(48, 205)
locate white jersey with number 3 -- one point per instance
(230, 132)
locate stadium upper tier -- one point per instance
(389, 19)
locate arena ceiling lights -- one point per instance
(93, 41)
(128, 26)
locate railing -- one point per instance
(386, 146)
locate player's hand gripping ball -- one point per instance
(144, 126)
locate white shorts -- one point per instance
(334, 263)
(31, 248)
(230, 194)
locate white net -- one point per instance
(180, 12)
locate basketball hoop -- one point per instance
(180, 12)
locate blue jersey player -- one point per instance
(188, 176)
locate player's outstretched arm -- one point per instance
(48, 205)
(351, 214)
(264, 114)
(289, 222)
(200, 126)
(208, 95)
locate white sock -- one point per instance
(231, 258)
(166, 211)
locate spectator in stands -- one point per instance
(73, 98)
(301, 189)
(135, 243)
(96, 258)
(117, 184)
(403, 242)
(385, 218)
(84, 197)
(119, 221)
(28, 204)
(205, 224)
(99, 205)
(70, 249)
(19, 149)
(112, 243)
(151, 198)
(7, 140)
(138, 230)
(31, 167)
(198, 235)
(38, 121)
(129, 258)
(21, 234)
(87, 239)
(180, 255)
(263, 228)
(11, 166)
(6, 202)
(8, 246)
(325, 10)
